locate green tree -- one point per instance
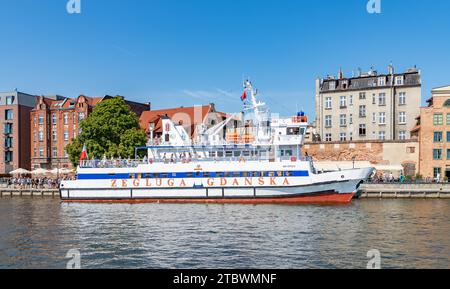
(111, 129)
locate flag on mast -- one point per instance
(244, 96)
(84, 155)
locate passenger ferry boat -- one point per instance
(257, 164)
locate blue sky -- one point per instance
(189, 52)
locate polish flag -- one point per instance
(244, 96)
(84, 155)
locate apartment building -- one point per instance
(370, 106)
(55, 121)
(15, 110)
(433, 130)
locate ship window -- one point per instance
(229, 153)
(293, 131)
(279, 174)
(189, 175)
(236, 174)
(271, 174)
(197, 174)
(164, 176)
(156, 175)
(206, 175)
(287, 174)
(246, 174)
(220, 175)
(237, 153)
(227, 174)
(131, 176)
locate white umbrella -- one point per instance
(62, 171)
(40, 172)
(20, 172)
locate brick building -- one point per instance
(55, 121)
(15, 110)
(387, 156)
(433, 131)
(189, 117)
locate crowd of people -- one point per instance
(34, 183)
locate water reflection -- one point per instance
(37, 233)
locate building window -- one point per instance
(9, 114)
(41, 152)
(399, 80)
(350, 136)
(382, 135)
(55, 152)
(343, 120)
(343, 136)
(41, 119)
(382, 99)
(8, 142)
(66, 118)
(381, 81)
(448, 136)
(438, 136)
(362, 130)
(382, 118)
(66, 135)
(9, 100)
(402, 135)
(402, 98)
(328, 103)
(328, 137)
(447, 103)
(350, 100)
(438, 119)
(343, 102)
(81, 116)
(402, 117)
(410, 150)
(437, 154)
(332, 85)
(436, 172)
(66, 155)
(8, 157)
(350, 119)
(34, 152)
(448, 119)
(448, 154)
(362, 111)
(41, 136)
(328, 122)
(54, 118)
(362, 95)
(8, 128)
(374, 99)
(54, 136)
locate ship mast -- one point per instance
(260, 113)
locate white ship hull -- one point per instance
(210, 182)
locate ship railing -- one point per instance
(133, 163)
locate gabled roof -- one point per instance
(176, 114)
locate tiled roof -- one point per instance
(177, 115)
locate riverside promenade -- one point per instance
(405, 190)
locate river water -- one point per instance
(38, 233)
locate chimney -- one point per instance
(341, 73)
(390, 69)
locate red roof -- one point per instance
(188, 117)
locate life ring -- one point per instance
(242, 160)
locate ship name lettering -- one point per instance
(113, 183)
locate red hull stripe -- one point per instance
(319, 199)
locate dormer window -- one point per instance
(381, 81)
(332, 85)
(447, 103)
(399, 80)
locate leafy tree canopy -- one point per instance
(111, 130)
